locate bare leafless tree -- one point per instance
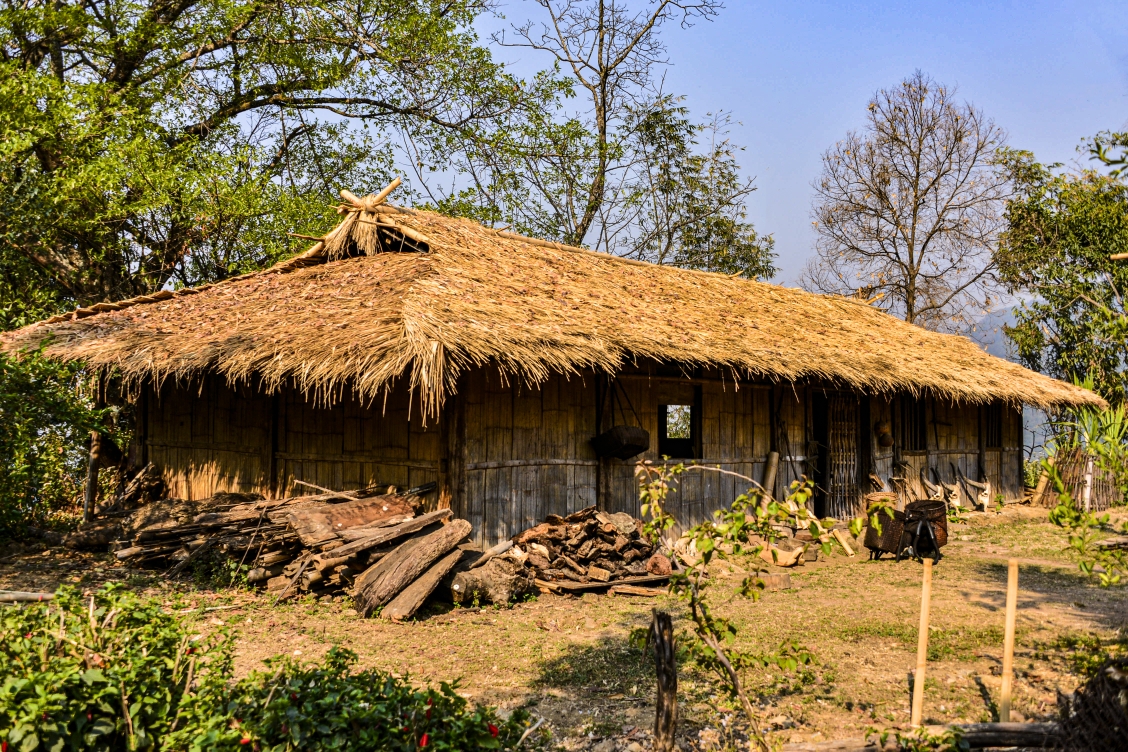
(611, 51)
(908, 210)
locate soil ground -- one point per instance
(571, 660)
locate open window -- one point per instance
(679, 425)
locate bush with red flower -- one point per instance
(120, 672)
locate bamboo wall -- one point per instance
(734, 437)
(523, 452)
(505, 455)
(955, 439)
(211, 437)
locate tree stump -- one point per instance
(497, 581)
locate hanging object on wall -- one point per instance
(621, 441)
(884, 432)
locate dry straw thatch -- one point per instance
(395, 293)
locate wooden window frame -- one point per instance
(912, 433)
(682, 449)
(993, 415)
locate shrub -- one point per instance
(103, 674)
(44, 428)
(328, 707)
(121, 672)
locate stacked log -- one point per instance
(590, 549)
(374, 543)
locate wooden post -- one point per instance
(1043, 482)
(1087, 488)
(922, 645)
(666, 667)
(771, 467)
(1008, 641)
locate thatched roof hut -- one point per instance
(459, 295)
(401, 316)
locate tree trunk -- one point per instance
(381, 582)
(666, 667)
(498, 581)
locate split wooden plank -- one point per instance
(363, 531)
(384, 580)
(404, 605)
(321, 524)
(380, 536)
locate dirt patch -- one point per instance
(571, 658)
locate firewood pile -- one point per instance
(374, 543)
(377, 545)
(591, 549)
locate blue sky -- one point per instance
(798, 75)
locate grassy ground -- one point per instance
(571, 657)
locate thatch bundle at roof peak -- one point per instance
(398, 293)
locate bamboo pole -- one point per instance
(922, 644)
(1008, 641)
(1087, 488)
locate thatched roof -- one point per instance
(395, 293)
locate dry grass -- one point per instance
(347, 313)
(571, 657)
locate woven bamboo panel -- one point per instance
(1071, 466)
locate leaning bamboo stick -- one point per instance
(1008, 641)
(21, 597)
(922, 645)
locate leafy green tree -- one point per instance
(687, 206)
(1061, 229)
(143, 141)
(1102, 149)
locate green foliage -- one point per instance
(106, 673)
(44, 422)
(1084, 529)
(329, 707)
(686, 204)
(1061, 229)
(141, 141)
(121, 672)
(1031, 472)
(1102, 433)
(1102, 146)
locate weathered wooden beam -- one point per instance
(404, 605)
(385, 579)
(380, 536)
(321, 524)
